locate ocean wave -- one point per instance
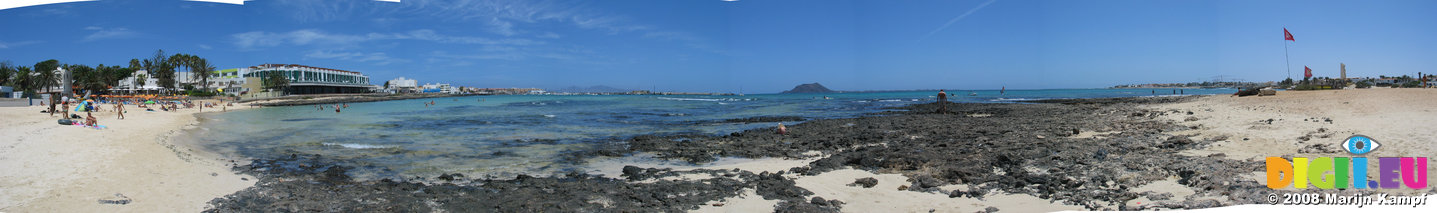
(358, 146)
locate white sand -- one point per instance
(47, 167)
(885, 197)
(1403, 121)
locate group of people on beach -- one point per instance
(89, 106)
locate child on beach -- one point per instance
(781, 129)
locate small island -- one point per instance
(809, 88)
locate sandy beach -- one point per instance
(1313, 123)
(1096, 154)
(131, 166)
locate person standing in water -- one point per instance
(942, 101)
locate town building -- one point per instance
(403, 85)
(309, 80)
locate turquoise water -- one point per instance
(528, 134)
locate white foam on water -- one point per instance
(358, 146)
(705, 99)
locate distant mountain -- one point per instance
(591, 89)
(810, 88)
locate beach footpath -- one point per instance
(130, 166)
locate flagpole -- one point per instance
(1287, 58)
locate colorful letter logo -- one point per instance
(1339, 172)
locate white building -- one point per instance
(402, 82)
(439, 88)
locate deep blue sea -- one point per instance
(526, 134)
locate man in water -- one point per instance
(942, 102)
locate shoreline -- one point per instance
(1047, 155)
(827, 164)
(296, 100)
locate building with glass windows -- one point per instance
(310, 80)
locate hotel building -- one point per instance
(309, 80)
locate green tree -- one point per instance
(7, 72)
(200, 69)
(160, 67)
(86, 78)
(275, 81)
(140, 80)
(115, 74)
(24, 80)
(47, 76)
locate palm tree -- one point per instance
(85, 77)
(140, 80)
(48, 77)
(200, 69)
(24, 79)
(160, 67)
(7, 71)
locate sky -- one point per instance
(753, 46)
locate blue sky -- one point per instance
(758, 45)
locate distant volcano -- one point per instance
(810, 88)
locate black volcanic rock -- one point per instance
(810, 88)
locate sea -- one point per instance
(507, 135)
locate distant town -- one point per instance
(1404, 81)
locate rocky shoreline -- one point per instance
(342, 98)
(1086, 152)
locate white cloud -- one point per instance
(378, 58)
(501, 17)
(956, 19)
(109, 33)
(7, 45)
(261, 39)
(205, 47)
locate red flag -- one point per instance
(1309, 71)
(1287, 35)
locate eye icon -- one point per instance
(1360, 144)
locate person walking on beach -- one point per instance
(781, 129)
(120, 111)
(942, 101)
